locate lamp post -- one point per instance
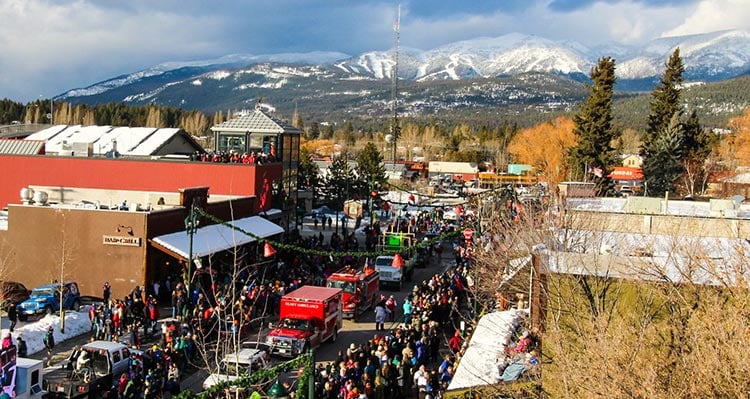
(191, 226)
(277, 391)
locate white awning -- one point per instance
(217, 237)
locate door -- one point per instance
(315, 335)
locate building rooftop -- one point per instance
(126, 141)
(256, 122)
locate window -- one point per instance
(232, 143)
(116, 357)
(125, 353)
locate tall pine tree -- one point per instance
(665, 165)
(663, 107)
(593, 155)
(370, 170)
(697, 145)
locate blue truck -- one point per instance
(46, 299)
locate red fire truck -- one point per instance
(309, 316)
(361, 289)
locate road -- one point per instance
(358, 331)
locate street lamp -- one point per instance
(191, 226)
(277, 390)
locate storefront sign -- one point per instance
(123, 241)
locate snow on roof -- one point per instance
(628, 244)
(486, 350)
(255, 122)
(671, 207)
(75, 134)
(703, 260)
(742, 178)
(153, 142)
(134, 141)
(218, 237)
(127, 138)
(47, 133)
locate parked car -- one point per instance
(46, 299)
(250, 358)
(12, 292)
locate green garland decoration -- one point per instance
(334, 254)
(259, 376)
(468, 196)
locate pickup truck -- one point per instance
(249, 359)
(46, 299)
(105, 360)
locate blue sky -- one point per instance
(49, 46)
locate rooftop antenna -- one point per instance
(395, 128)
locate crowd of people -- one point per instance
(247, 158)
(412, 356)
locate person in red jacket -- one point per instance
(455, 342)
(153, 314)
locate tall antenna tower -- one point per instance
(395, 128)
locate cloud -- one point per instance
(573, 5)
(714, 15)
(49, 46)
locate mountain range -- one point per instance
(513, 68)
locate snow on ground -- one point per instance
(76, 323)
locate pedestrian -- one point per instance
(330, 222)
(407, 311)
(391, 305)
(106, 294)
(315, 222)
(49, 343)
(7, 341)
(153, 315)
(12, 315)
(380, 314)
(21, 349)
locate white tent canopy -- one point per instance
(486, 350)
(218, 237)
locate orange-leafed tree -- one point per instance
(739, 141)
(322, 147)
(544, 147)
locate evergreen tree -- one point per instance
(327, 132)
(664, 109)
(593, 153)
(314, 132)
(697, 144)
(370, 170)
(666, 165)
(337, 184)
(665, 98)
(307, 174)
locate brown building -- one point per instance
(135, 246)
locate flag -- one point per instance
(596, 171)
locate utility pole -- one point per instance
(395, 128)
(191, 226)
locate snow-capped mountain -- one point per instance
(710, 56)
(482, 57)
(238, 79)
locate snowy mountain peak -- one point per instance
(707, 57)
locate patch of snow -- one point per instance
(76, 323)
(196, 82)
